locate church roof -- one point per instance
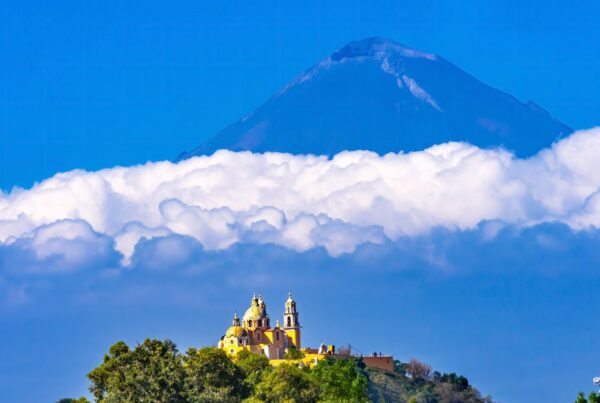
(257, 310)
(235, 331)
(254, 313)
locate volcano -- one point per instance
(379, 95)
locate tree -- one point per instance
(210, 376)
(460, 382)
(400, 367)
(340, 380)
(345, 351)
(253, 366)
(418, 370)
(592, 398)
(287, 383)
(152, 372)
(71, 400)
(293, 353)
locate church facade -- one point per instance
(255, 333)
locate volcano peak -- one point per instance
(377, 94)
(378, 48)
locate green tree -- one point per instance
(293, 353)
(287, 383)
(210, 376)
(400, 367)
(71, 400)
(340, 380)
(253, 366)
(152, 372)
(592, 398)
(459, 381)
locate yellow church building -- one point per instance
(255, 333)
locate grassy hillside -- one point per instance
(386, 386)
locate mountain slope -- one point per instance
(382, 96)
(385, 386)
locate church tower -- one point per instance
(291, 325)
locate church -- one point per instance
(255, 333)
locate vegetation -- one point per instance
(155, 371)
(413, 382)
(210, 376)
(152, 372)
(592, 398)
(293, 354)
(287, 383)
(254, 367)
(341, 379)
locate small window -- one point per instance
(289, 321)
(258, 336)
(249, 323)
(259, 323)
(277, 335)
(232, 351)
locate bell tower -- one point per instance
(291, 324)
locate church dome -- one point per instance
(235, 331)
(254, 313)
(257, 310)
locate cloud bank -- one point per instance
(298, 202)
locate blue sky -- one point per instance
(500, 286)
(100, 83)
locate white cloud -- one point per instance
(302, 202)
(64, 245)
(130, 235)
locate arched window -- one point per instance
(258, 336)
(259, 323)
(250, 323)
(289, 321)
(277, 335)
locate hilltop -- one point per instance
(155, 371)
(406, 386)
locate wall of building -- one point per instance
(385, 363)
